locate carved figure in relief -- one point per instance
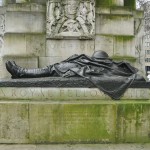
(2, 29)
(2, 25)
(53, 15)
(91, 17)
(70, 18)
(82, 17)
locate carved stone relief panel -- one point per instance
(71, 19)
(2, 29)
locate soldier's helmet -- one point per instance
(100, 55)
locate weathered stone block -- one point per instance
(54, 94)
(121, 11)
(66, 94)
(72, 122)
(24, 45)
(105, 43)
(124, 46)
(20, 1)
(138, 14)
(27, 7)
(14, 122)
(18, 147)
(45, 61)
(137, 94)
(14, 44)
(36, 45)
(103, 3)
(25, 22)
(118, 2)
(39, 1)
(114, 25)
(66, 48)
(117, 46)
(133, 122)
(109, 3)
(114, 10)
(102, 10)
(126, 146)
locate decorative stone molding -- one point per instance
(71, 19)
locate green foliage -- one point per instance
(130, 3)
(127, 3)
(103, 2)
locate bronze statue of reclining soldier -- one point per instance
(111, 77)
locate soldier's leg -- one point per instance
(20, 72)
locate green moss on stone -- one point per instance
(124, 38)
(103, 3)
(130, 3)
(131, 123)
(124, 58)
(127, 3)
(70, 123)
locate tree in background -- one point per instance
(141, 3)
(145, 6)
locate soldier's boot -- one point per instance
(20, 72)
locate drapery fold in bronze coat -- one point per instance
(110, 77)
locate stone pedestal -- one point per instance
(50, 115)
(42, 32)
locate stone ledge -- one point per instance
(58, 82)
(26, 7)
(66, 94)
(114, 10)
(61, 89)
(77, 147)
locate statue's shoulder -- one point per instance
(126, 65)
(76, 57)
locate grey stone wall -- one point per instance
(24, 39)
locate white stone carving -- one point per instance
(2, 24)
(2, 29)
(71, 19)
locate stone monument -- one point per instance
(36, 33)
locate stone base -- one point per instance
(35, 114)
(67, 94)
(80, 121)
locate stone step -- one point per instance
(78, 147)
